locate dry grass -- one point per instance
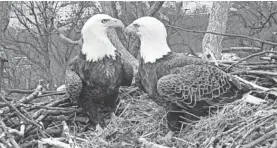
(236, 124)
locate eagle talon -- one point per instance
(99, 129)
(167, 137)
(112, 119)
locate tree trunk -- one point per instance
(217, 23)
(4, 22)
(4, 15)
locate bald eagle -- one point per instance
(94, 76)
(185, 86)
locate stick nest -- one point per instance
(48, 119)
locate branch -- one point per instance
(20, 91)
(150, 144)
(66, 39)
(53, 142)
(250, 56)
(255, 72)
(154, 8)
(10, 137)
(261, 139)
(224, 34)
(31, 96)
(239, 49)
(252, 84)
(19, 114)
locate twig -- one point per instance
(223, 34)
(52, 94)
(21, 91)
(53, 142)
(66, 132)
(19, 133)
(66, 39)
(250, 56)
(130, 91)
(184, 141)
(19, 114)
(127, 106)
(31, 96)
(44, 107)
(274, 144)
(264, 121)
(261, 139)
(10, 137)
(150, 144)
(245, 49)
(255, 72)
(269, 66)
(252, 84)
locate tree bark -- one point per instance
(4, 15)
(217, 23)
(4, 22)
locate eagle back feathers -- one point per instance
(193, 83)
(185, 80)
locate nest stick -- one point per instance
(19, 114)
(252, 84)
(248, 57)
(53, 142)
(255, 72)
(150, 144)
(261, 139)
(10, 137)
(32, 96)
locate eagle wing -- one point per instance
(128, 73)
(73, 84)
(73, 80)
(190, 84)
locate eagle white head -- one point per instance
(152, 34)
(96, 42)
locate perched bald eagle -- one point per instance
(185, 86)
(94, 76)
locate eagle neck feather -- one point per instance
(96, 47)
(152, 50)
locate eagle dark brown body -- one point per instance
(187, 86)
(95, 85)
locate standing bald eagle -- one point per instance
(185, 86)
(94, 76)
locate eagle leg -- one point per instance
(93, 116)
(173, 119)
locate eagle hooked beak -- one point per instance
(131, 29)
(116, 23)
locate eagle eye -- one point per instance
(104, 21)
(136, 25)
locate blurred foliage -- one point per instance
(35, 51)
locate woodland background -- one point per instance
(35, 51)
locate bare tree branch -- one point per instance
(223, 34)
